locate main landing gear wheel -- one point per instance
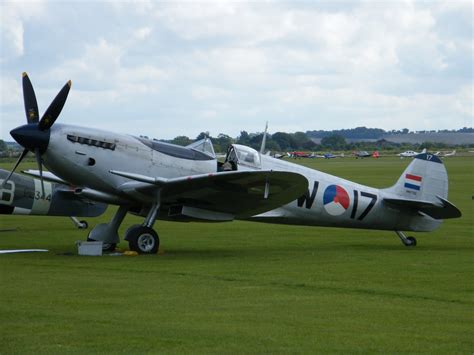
(143, 240)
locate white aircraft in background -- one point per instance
(331, 156)
(410, 153)
(278, 155)
(451, 154)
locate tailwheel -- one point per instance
(142, 239)
(411, 242)
(407, 241)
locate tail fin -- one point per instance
(424, 179)
(424, 187)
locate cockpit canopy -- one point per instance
(242, 155)
(203, 146)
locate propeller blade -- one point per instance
(54, 108)
(40, 168)
(29, 98)
(23, 154)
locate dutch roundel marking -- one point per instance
(336, 200)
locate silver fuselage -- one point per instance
(311, 210)
(87, 163)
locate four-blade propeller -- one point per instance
(34, 136)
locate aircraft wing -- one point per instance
(442, 210)
(239, 194)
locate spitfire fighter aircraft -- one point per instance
(143, 177)
(158, 180)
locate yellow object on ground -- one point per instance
(130, 253)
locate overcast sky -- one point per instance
(165, 69)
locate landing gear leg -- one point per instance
(407, 241)
(142, 238)
(108, 232)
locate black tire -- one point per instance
(83, 224)
(131, 230)
(143, 240)
(412, 242)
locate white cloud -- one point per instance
(209, 93)
(13, 15)
(10, 91)
(235, 65)
(464, 103)
(142, 33)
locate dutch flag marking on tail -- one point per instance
(413, 182)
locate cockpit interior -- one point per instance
(240, 157)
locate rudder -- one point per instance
(424, 179)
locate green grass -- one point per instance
(246, 287)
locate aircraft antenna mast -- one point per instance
(264, 140)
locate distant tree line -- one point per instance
(284, 142)
(377, 133)
(279, 141)
(3, 146)
(354, 133)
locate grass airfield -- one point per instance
(246, 287)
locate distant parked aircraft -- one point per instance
(453, 153)
(301, 155)
(410, 153)
(278, 156)
(331, 156)
(362, 154)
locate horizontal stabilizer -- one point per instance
(439, 210)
